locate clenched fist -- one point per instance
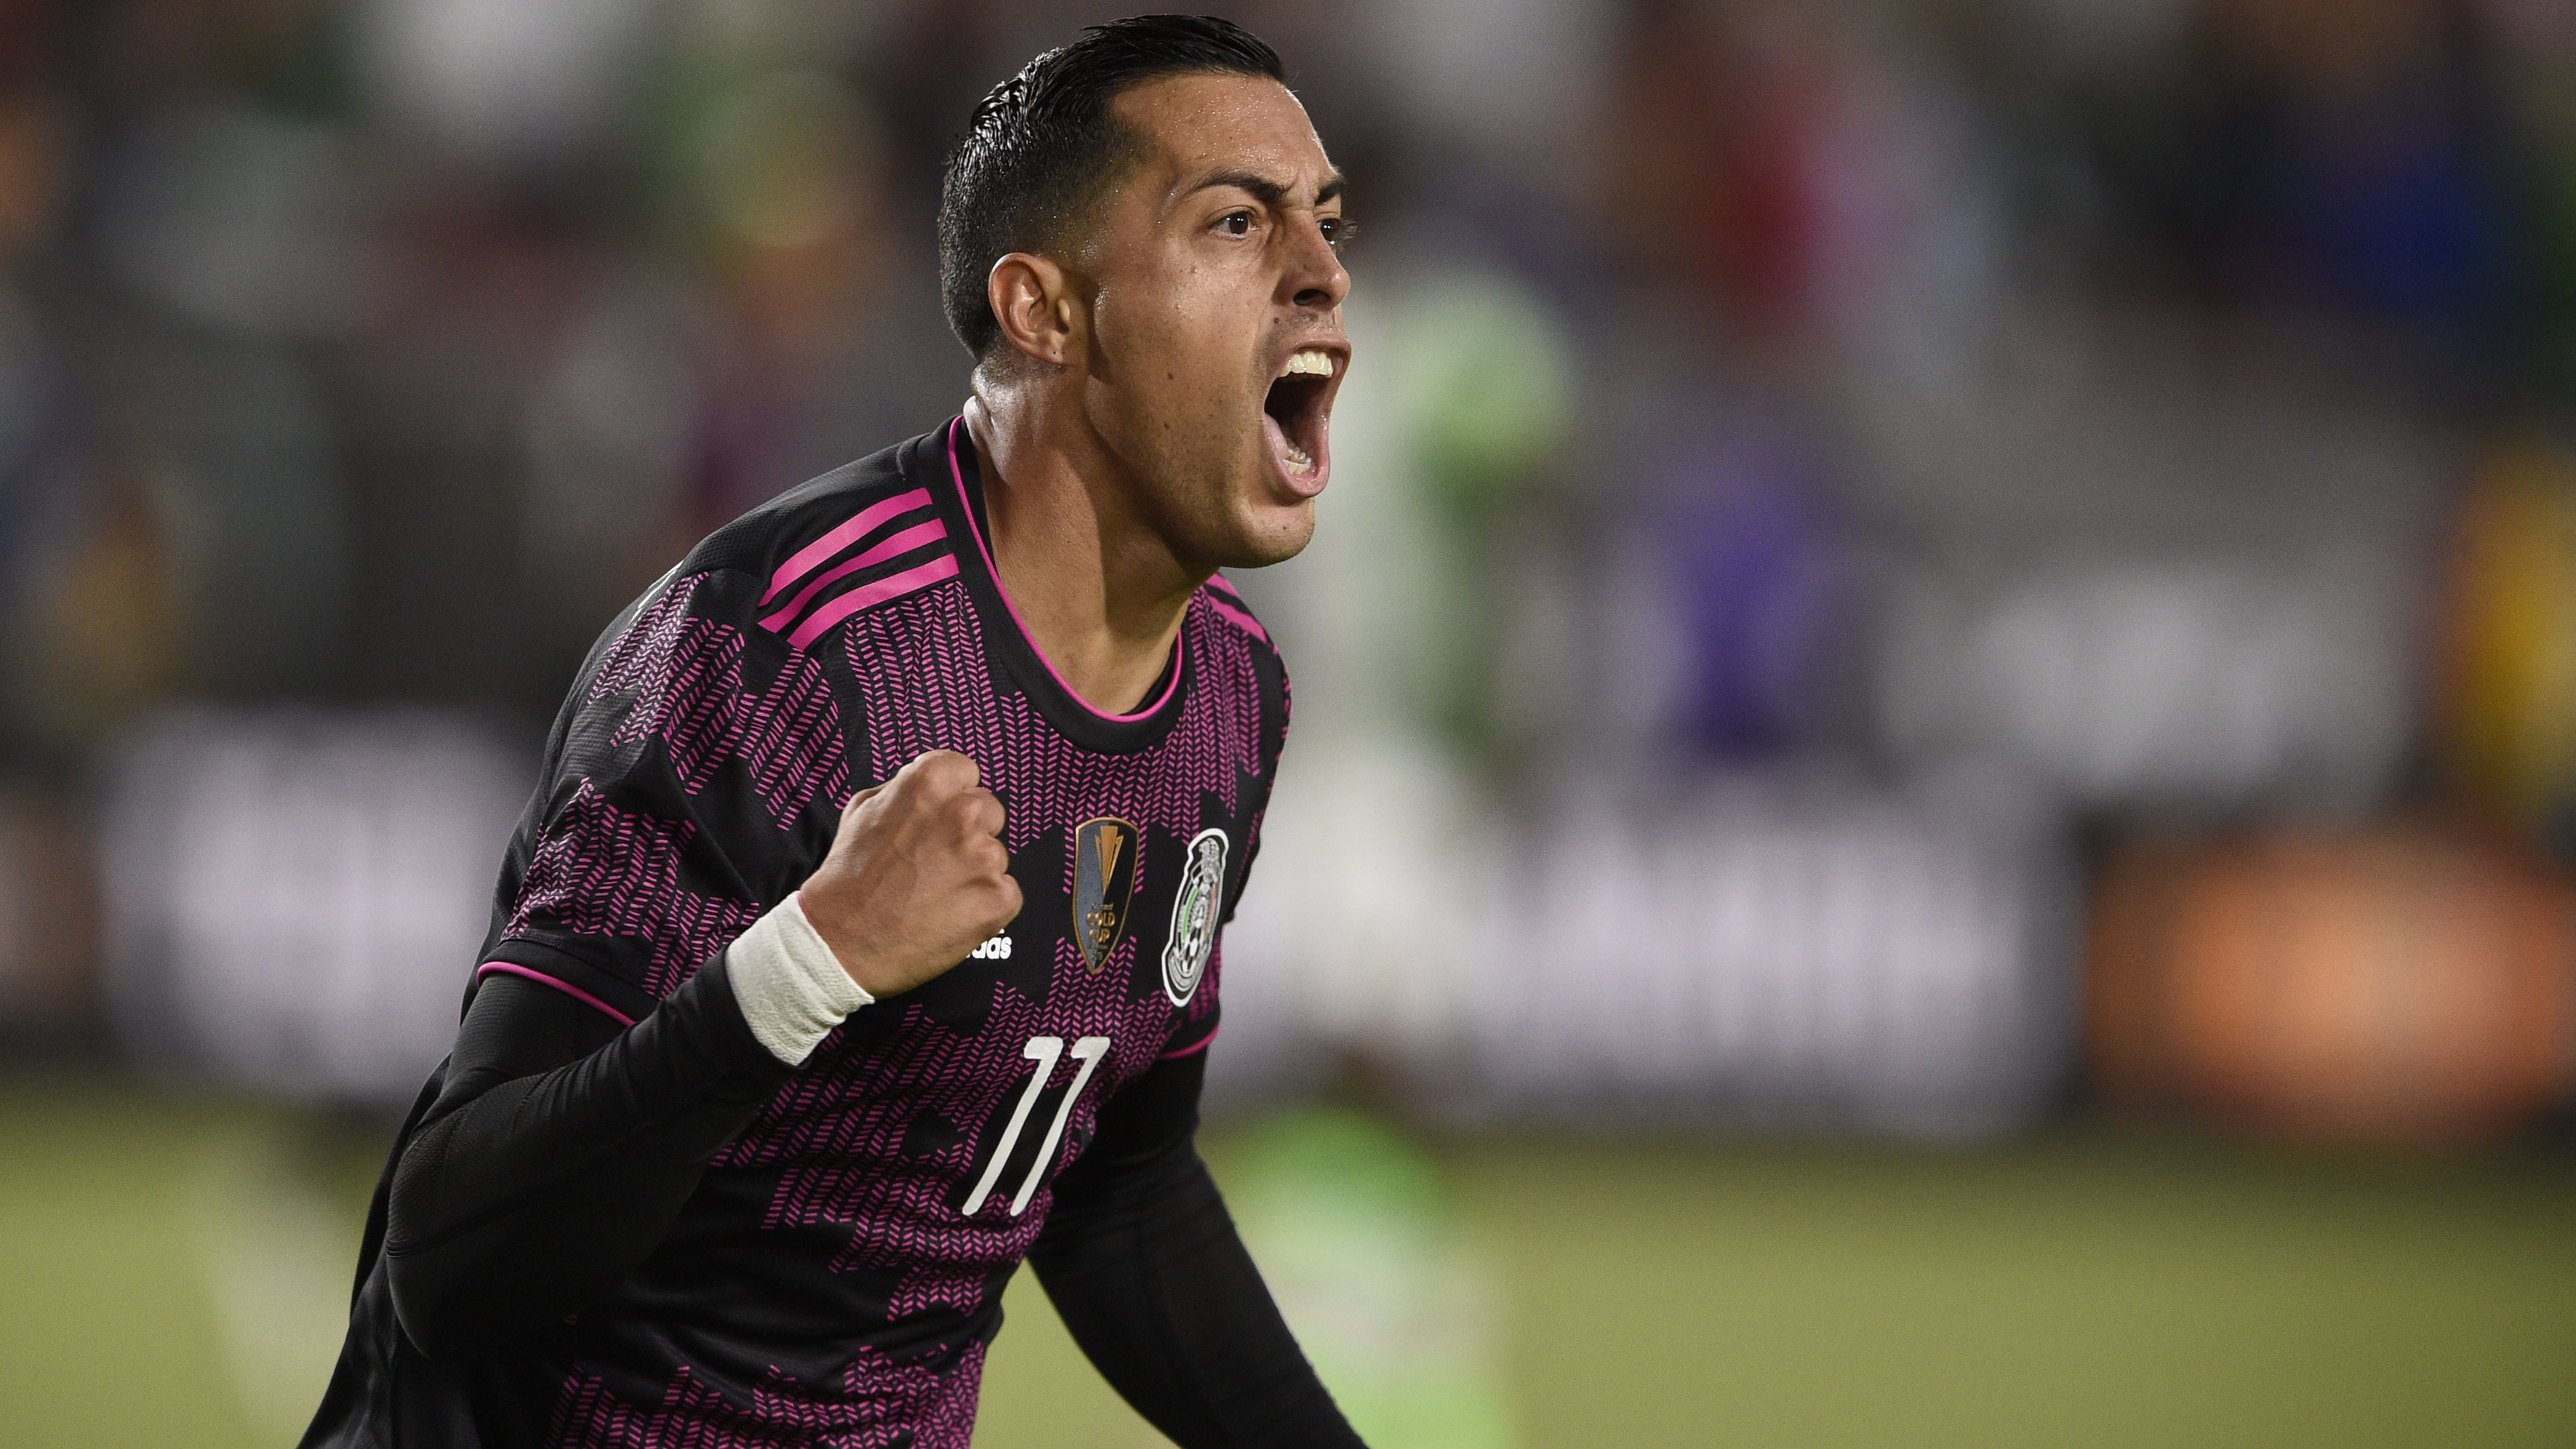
(917, 877)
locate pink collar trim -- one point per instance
(967, 506)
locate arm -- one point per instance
(563, 1145)
(560, 1149)
(1152, 1280)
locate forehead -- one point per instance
(1191, 125)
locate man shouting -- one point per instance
(862, 939)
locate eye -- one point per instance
(1336, 231)
(1235, 223)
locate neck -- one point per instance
(1100, 591)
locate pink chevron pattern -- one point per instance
(684, 676)
(883, 1404)
(602, 871)
(843, 1145)
(838, 1129)
(1230, 607)
(919, 678)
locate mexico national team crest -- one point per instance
(1104, 881)
(1194, 912)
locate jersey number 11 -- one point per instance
(1046, 1051)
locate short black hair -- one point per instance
(1044, 143)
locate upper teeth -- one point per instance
(1308, 359)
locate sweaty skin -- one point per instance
(1125, 422)
(1130, 457)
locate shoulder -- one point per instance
(800, 563)
(1227, 606)
(731, 620)
(1234, 628)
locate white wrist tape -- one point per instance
(791, 987)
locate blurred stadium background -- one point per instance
(1935, 782)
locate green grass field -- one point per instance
(173, 1273)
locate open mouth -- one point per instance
(1294, 413)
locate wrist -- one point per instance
(791, 984)
(840, 938)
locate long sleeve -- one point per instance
(558, 1152)
(676, 813)
(1150, 1276)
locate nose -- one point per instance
(1315, 280)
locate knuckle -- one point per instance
(947, 769)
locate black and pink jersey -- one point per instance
(838, 1271)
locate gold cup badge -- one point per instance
(1105, 854)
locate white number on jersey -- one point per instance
(1046, 1051)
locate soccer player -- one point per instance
(861, 938)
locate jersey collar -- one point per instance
(944, 462)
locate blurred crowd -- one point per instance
(1894, 567)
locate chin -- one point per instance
(1266, 533)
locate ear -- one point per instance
(1033, 298)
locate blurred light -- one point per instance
(44, 495)
(1378, 894)
(2509, 697)
(239, 220)
(2387, 986)
(293, 900)
(36, 130)
(1714, 950)
(2195, 684)
(610, 429)
(1766, 953)
(104, 627)
(1513, 77)
(272, 1247)
(784, 156)
(504, 81)
(1768, 583)
(48, 894)
(1722, 612)
(1357, 1239)
(1482, 368)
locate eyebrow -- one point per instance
(1265, 190)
